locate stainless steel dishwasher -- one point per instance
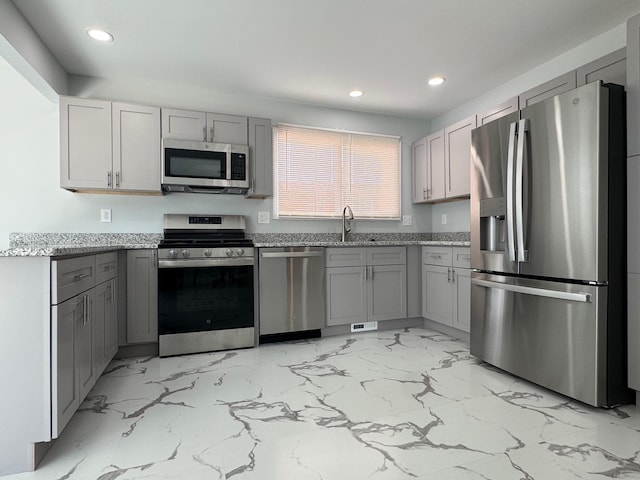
(292, 292)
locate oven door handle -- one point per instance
(206, 262)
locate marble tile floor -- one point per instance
(399, 404)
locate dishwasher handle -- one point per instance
(291, 254)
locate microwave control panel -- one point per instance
(238, 166)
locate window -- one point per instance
(319, 171)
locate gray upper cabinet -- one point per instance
(457, 147)
(136, 147)
(611, 68)
(501, 110)
(558, 85)
(105, 146)
(261, 158)
(428, 168)
(85, 143)
(633, 86)
(207, 127)
(419, 171)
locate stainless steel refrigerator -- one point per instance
(548, 252)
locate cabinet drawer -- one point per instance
(461, 257)
(436, 256)
(386, 255)
(72, 276)
(345, 257)
(106, 266)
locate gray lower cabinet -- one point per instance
(142, 296)
(84, 329)
(446, 285)
(365, 284)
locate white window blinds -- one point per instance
(319, 171)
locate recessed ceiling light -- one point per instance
(100, 35)
(433, 81)
(356, 93)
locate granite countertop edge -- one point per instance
(380, 243)
(64, 250)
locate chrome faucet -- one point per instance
(346, 222)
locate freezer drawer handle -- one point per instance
(541, 292)
(291, 254)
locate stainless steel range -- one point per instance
(205, 284)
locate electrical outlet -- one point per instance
(407, 220)
(105, 215)
(263, 217)
(444, 219)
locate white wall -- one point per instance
(458, 212)
(31, 200)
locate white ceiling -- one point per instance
(314, 52)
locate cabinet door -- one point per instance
(227, 129)
(142, 296)
(436, 166)
(387, 292)
(111, 322)
(458, 157)
(611, 68)
(558, 85)
(462, 299)
(346, 295)
(184, 124)
(136, 147)
(501, 110)
(633, 86)
(65, 395)
(261, 158)
(437, 293)
(419, 170)
(84, 347)
(98, 318)
(85, 143)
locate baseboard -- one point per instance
(138, 350)
(382, 325)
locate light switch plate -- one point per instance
(407, 220)
(105, 215)
(444, 219)
(264, 217)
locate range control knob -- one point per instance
(173, 253)
(185, 253)
(207, 253)
(240, 252)
(228, 252)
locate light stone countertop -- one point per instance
(63, 244)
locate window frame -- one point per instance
(276, 214)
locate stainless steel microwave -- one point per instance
(203, 167)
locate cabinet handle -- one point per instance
(204, 133)
(80, 276)
(453, 276)
(113, 292)
(117, 179)
(84, 310)
(435, 256)
(109, 178)
(425, 195)
(155, 258)
(211, 133)
(448, 275)
(90, 308)
(371, 273)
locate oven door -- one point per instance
(205, 307)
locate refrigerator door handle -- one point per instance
(510, 229)
(540, 292)
(523, 129)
